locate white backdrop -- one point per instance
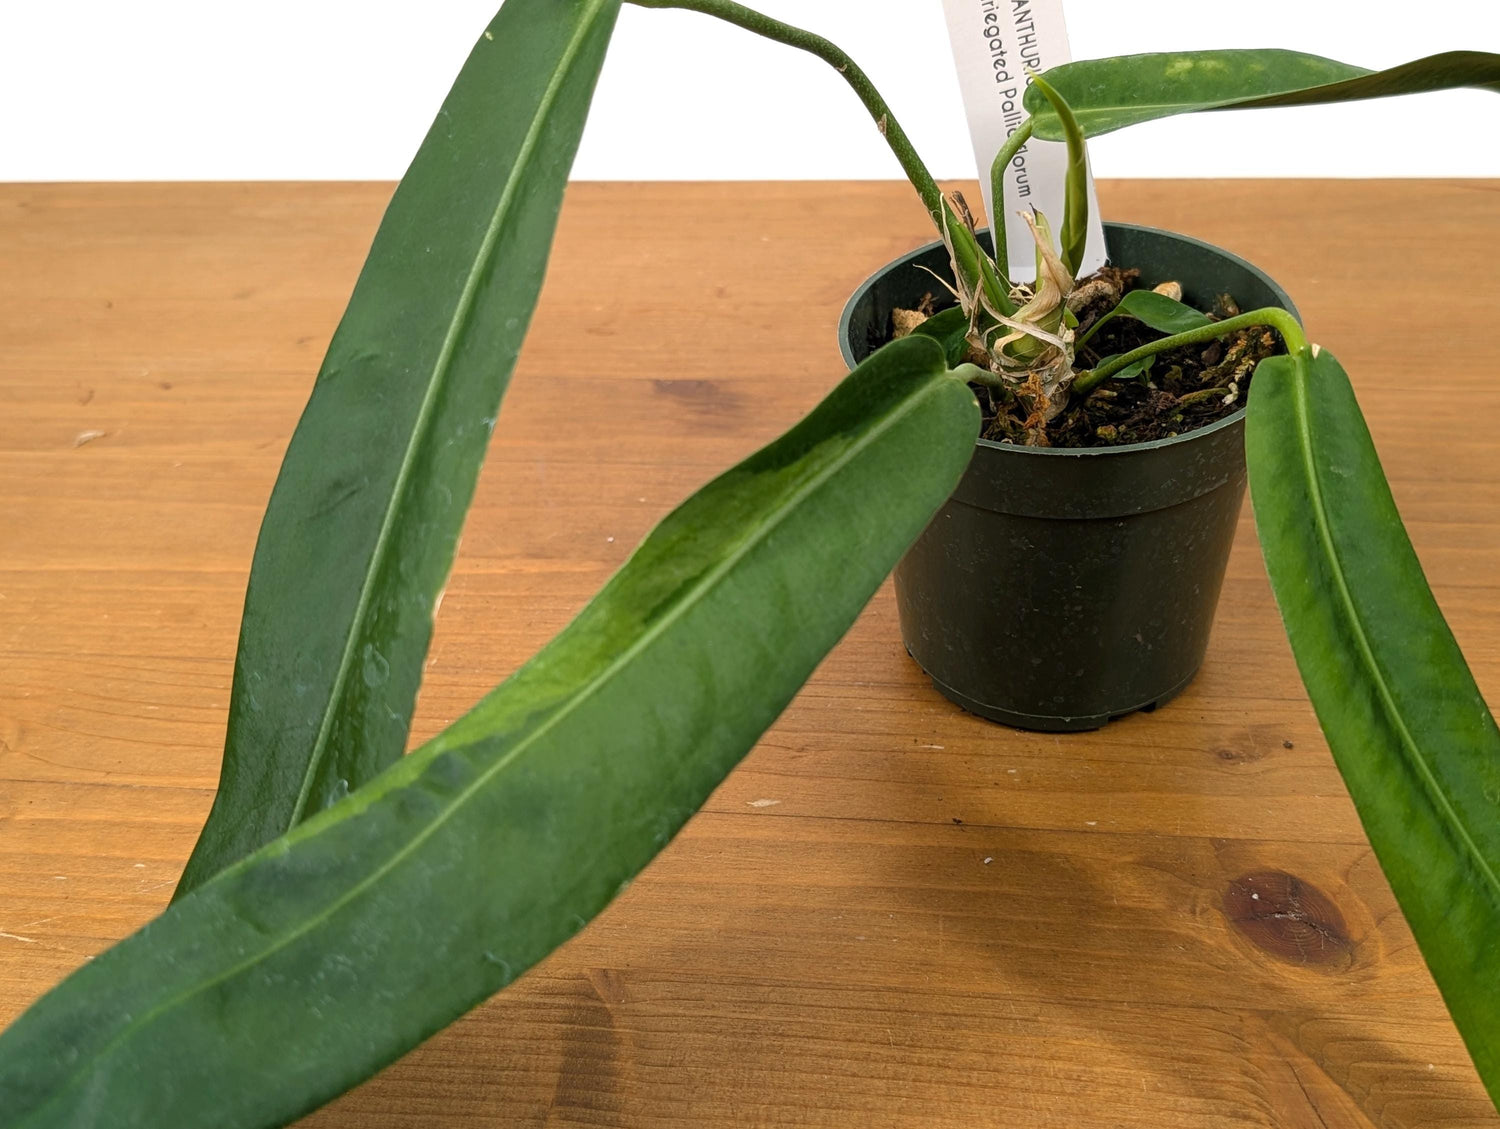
(319, 89)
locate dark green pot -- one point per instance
(1061, 589)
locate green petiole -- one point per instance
(1270, 316)
(1099, 324)
(971, 373)
(1013, 145)
(967, 254)
(1075, 227)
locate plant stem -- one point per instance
(974, 374)
(967, 255)
(1270, 316)
(1099, 324)
(834, 56)
(1013, 145)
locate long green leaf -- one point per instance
(1411, 734)
(362, 526)
(314, 962)
(1108, 94)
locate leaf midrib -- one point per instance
(457, 325)
(699, 590)
(1110, 115)
(1366, 650)
(1122, 109)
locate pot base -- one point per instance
(1042, 723)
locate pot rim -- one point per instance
(1234, 419)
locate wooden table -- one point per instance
(893, 914)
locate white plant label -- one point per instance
(997, 45)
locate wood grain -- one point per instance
(937, 922)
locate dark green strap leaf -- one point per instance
(362, 526)
(1411, 734)
(1108, 94)
(305, 968)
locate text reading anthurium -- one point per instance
(997, 46)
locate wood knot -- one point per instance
(1290, 919)
(1239, 754)
(1251, 744)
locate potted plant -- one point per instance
(1072, 577)
(345, 902)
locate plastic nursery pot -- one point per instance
(1061, 589)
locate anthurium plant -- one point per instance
(345, 901)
